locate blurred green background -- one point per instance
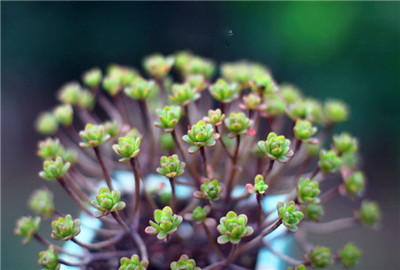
(346, 50)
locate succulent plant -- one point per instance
(54, 169)
(133, 263)
(329, 161)
(289, 214)
(200, 135)
(184, 263)
(370, 213)
(224, 92)
(320, 257)
(304, 130)
(237, 124)
(107, 202)
(355, 184)
(128, 147)
(169, 117)
(276, 147)
(48, 259)
(165, 223)
(307, 191)
(171, 166)
(65, 228)
(349, 255)
(209, 190)
(41, 202)
(345, 143)
(242, 92)
(27, 227)
(233, 228)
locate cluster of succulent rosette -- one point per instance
(232, 139)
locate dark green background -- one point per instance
(346, 50)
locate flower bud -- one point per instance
(259, 186)
(46, 124)
(251, 102)
(140, 89)
(27, 227)
(274, 106)
(93, 136)
(157, 65)
(64, 114)
(200, 213)
(296, 110)
(370, 213)
(307, 191)
(166, 223)
(304, 130)
(65, 228)
(224, 92)
(70, 93)
(92, 78)
(49, 148)
(199, 65)
(134, 263)
(209, 190)
(107, 201)
(289, 214)
(276, 147)
(263, 84)
(127, 147)
(349, 255)
(329, 162)
(111, 85)
(289, 93)
(336, 111)
(233, 228)
(355, 184)
(184, 263)
(196, 82)
(215, 117)
(86, 100)
(345, 143)
(171, 166)
(182, 59)
(54, 169)
(237, 124)
(313, 211)
(169, 117)
(314, 111)
(320, 257)
(200, 135)
(41, 202)
(111, 128)
(183, 94)
(49, 259)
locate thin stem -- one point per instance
(211, 241)
(204, 159)
(259, 209)
(223, 144)
(82, 264)
(134, 166)
(231, 257)
(283, 257)
(103, 168)
(74, 197)
(229, 183)
(315, 172)
(173, 196)
(331, 226)
(328, 195)
(45, 242)
(186, 110)
(268, 168)
(99, 245)
(149, 127)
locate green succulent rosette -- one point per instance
(200, 135)
(171, 166)
(369, 214)
(46, 123)
(140, 89)
(355, 184)
(65, 228)
(128, 147)
(307, 191)
(233, 228)
(224, 92)
(304, 131)
(49, 148)
(165, 223)
(199, 214)
(196, 82)
(199, 66)
(349, 255)
(48, 259)
(259, 186)
(336, 111)
(345, 143)
(133, 263)
(92, 78)
(183, 94)
(157, 65)
(320, 257)
(251, 102)
(276, 148)
(289, 93)
(54, 169)
(27, 227)
(169, 117)
(107, 202)
(263, 84)
(296, 110)
(87, 100)
(64, 114)
(112, 85)
(237, 124)
(215, 117)
(184, 263)
(42, 203)
(313, 211)
(329, 161)
(69, 93)
(209, 190)
(93, 136)
(274, 106)
(289, 214)
(314, 111)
